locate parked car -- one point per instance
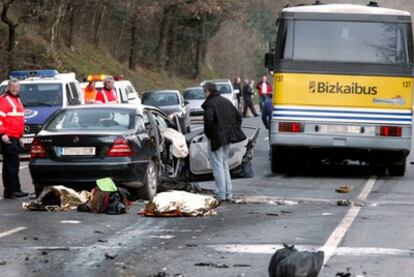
(42, 93)
(79, 145)
(195, 97)
(171, 102)
(225, 87)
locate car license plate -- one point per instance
(77, 151)
(27, 140)
(339, 129)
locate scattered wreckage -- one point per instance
(137, 147)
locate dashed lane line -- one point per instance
(12, 231)
(269, 249)
(338, 234)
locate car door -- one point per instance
(240, 155)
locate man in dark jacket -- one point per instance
(237, 86)
(247, 97)
(267, 113)
(222, 126)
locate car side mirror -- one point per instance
(269, 61)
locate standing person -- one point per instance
(237, 85)
(264, 88)
(11, 132)
(107, 94)
(247, 97)
(90, 93)
(222, 126)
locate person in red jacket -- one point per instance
(107, 94)
(11, 132)
(264, 88)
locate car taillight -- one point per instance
(390, 131)
(120, 148)
(290, 127)
(37, 151)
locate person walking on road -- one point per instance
(107, 94)
(222, 126)
(248, 98)
(237, 85)
(11, 132)
(267, 113)
(264, 88)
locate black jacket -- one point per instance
(247, 92)
(238, 86)
(222, 121)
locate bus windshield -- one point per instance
(344, 41)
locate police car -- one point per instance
(42, 93)
(125, 91)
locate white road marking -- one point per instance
(340, 251)
(12, 231)
(70, 221)
(339, 233)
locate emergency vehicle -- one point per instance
(343, 78)
(125, 91)
(42, 93)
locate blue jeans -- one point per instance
(262, 99)
(219, 160)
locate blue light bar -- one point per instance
(24, 74)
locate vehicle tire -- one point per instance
(398, 170)
(276, 161)
(151, 182)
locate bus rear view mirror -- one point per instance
(269, 61)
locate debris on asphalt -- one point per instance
(216, 265)
(241, 265)
(263, 200)
(98, 232)
(180, 203)
(287, 211)
(327, 214)
(57, 198)
(343, 274)
(289, 259)
(44, 253)
(110, 256)
(344, 203)
(3, 263)
(102, 240)
(344, 189)
(273, 214)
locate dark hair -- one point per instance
(211, 87)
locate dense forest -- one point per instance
(185, 38)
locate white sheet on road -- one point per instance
(180, 203)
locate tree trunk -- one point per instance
(73, 11)
(98, 26)
(55, 25)
(133, 48)
(172, 43)
(201, 45)
(10, 24)
(163, 37)
(118, 42)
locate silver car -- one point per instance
(170, 102)
(225, 88)
(195, 97)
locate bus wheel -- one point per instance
(276, 161)
(398, 170)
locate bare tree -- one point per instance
(61, 9)
(10, 24)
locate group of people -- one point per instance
(106, 95)
(247, 93)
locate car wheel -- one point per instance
(398, 170)
(151, 180)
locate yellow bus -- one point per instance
(343, 86)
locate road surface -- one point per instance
(372, 239)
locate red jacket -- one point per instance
(268, 90)
(11, 116)
(106, 96)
